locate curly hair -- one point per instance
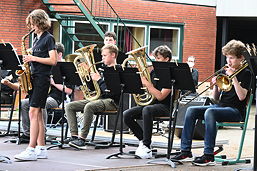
(59, 47)
(39, 18)
(163, 50)
(234, 47)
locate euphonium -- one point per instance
(86, 56)
(138, 55)
(25, 74)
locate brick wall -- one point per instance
(13, 14)
(199, 33)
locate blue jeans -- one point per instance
(210, 115)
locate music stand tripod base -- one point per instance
(166, 161)
(172, 76)
(64, 73)
(120, 81)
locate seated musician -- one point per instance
(6, 92)
(231, 107)
(160, 107)
(110, 38)
(54, 99)
(107, 101)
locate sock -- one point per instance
(30, 149)
(40, 147)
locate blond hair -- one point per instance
(112, 49)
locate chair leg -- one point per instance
(11, 115)
(102, 145)
(225, 161)
(94, 130)
(66, 131)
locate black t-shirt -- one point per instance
(41, 48)
(107, 94)
(57, 94)
(230, 98)
(156, 84)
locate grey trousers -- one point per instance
(89, 108)
(50, 103)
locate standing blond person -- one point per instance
(43, 56)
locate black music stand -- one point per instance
(10, 61)
(64, 73)
(173, 76)
(120, 81)
(252, 62)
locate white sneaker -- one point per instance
(41, 152)
(140, 145)
(27, 155)
(144, 152)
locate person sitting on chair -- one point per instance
(6, 91)
(231, 106)
(110, 38)
(107, 101)
(53, 100)
(159, 108)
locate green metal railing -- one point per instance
(94, 11)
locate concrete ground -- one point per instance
(92, 159)
(95, 159)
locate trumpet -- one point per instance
(224, 82)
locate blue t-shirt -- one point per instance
(41, 48)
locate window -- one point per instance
(165, 36)
(126, 42)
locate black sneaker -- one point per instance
(67, 140)
(79, 143)
(24, 139)
(183, 156)
(204, 160)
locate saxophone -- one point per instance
(86, 56)
(138, 56)
(24, 74)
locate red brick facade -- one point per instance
(13, 14)
(199, 31)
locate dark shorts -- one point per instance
(39, 92)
